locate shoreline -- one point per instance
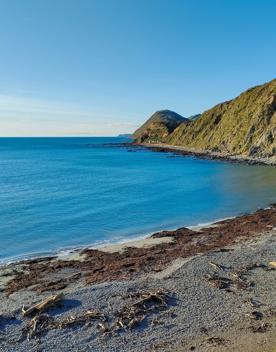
(202, 289)
(152, 239)
(124, 243)
(209, 155)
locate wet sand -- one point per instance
(217, 284)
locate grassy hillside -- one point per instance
(245, 125)
(159, 126)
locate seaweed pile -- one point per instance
(53, 274)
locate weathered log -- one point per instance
(42, 306)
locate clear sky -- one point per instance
(101, 67)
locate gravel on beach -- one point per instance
(223, 300)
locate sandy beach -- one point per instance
(210, 289)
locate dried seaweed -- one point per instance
(97, 266)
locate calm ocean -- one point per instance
(59, 193)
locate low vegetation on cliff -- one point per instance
(159, 126)
(245, 126)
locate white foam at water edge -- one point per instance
(209, 224)
(123, 240)
(66, 252)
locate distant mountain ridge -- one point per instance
(245, 125)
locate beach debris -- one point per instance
(103, 328)
(272, 265)
(218, 281)
(241, 275)
(42, 323)
(126, 318)
(96, 266)
(241, 283)
(49, 302)
(215, 266)
(132, 315)
(80, 319)
(36, 325)
(238, 282)
(254, 266)
(236, 276)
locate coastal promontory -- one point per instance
(244, 126)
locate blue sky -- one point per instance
(101, 67)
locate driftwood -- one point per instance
(42, 323)
(219, 282)
(216, 266)
(42, 306)
(103, 327)
(133, 314)
(239, 277)
(128, 317)
(36, 325)
(80, 319)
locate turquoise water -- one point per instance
(58, 193)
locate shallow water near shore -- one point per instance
(58, 193)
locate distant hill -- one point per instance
(158, 127)
(243, 126)
(125, 135)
